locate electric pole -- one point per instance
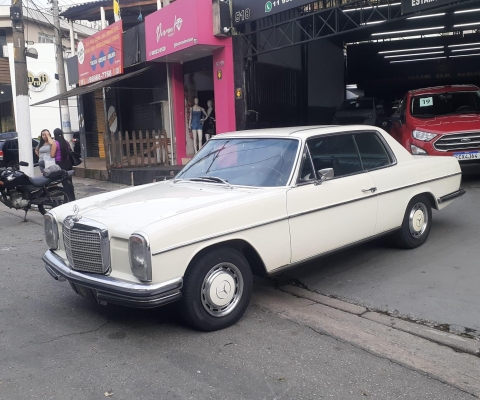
(64, 110)
(21, 87)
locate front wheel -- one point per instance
(416, 223)
(217, 290)
(55, 196)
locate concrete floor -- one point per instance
(438, 282)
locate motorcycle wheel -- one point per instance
(58, 197)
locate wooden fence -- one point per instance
(138, 149)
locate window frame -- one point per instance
(44, 38)
(306, 149)
(390, 153)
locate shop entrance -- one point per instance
(199, 84)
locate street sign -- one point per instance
(252, 10)
(411, 6)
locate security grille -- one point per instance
(84, 250)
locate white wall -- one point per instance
(46, 116)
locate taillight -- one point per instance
(1, 155)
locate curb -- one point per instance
(455, 342)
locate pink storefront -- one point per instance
(201, 66)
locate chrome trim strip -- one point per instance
(367, 197)
(420, 183)
(114, 288)
(329, 252)
(246, 228)
(451, 196)
(171, 248)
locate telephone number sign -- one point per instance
(252, 10)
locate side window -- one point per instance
(338, 152)
(372, 151)
(306, 172)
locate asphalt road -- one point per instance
(437, 282)
(56, 345)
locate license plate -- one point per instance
(469, 155)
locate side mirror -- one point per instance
(23, 164)
(326, 174)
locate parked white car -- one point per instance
(251, 202)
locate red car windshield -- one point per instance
(441, 104)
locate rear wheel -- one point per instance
(416, 223)
(217, 290)
(56, 197)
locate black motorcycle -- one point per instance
(21, 192)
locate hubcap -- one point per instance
(222, 289)
(418, 220)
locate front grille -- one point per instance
(86, 249)
(458, 141)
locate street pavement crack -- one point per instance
(67, 335)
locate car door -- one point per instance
(379, 160)
(339, 211)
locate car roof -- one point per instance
(301, 132)
(445, 89)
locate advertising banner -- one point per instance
(171, 29)
(251, 10)
(411, 6)
(100, 56)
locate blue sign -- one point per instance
(93, 62)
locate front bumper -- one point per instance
(105, 289)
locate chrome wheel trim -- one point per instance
(418, 220)
(222, 289)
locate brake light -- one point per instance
(1, 155)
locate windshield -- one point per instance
(245, 162)
(362, 104)
(435, 105)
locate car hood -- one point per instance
(449, 124)
(132, 209)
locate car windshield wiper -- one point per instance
(211, 179)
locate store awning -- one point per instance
(90, 88)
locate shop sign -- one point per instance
(411, 6)
(100, 56)
(37, 82)
(251, 10)
(171, 29)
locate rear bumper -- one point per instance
(451, 196)
(105, 289)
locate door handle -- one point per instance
(371, 190)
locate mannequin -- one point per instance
(210, 121)
(196, 124)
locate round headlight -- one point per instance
(51, 230)
(140, 257)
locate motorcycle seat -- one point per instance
(39, 181)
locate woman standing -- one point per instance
(62, 159)
(46, 149)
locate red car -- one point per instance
(440, 121)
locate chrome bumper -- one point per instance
(105, 289)
(451, 196)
